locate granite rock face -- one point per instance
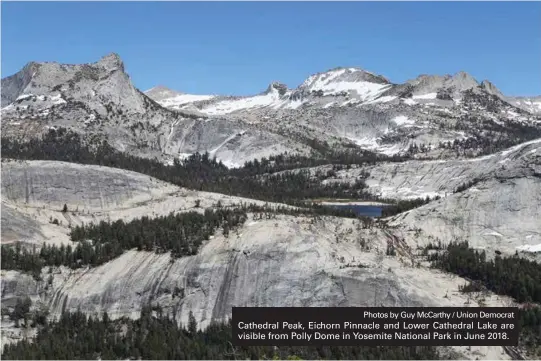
(287, 261)
(50, 183)
(284, 262)
(34, 193)
(498, 209)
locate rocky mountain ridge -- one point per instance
(361, 86)
(343, 108)
(356, 106)
(99, 99)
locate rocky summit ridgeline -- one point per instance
(345, 107)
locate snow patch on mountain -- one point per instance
(373, 145)
(229, 106)
(382, 99)
(364, 90)
(182, 99)
(330, 86)
(57, 99)
(173, 99)
(409, 101)
(530, 248)
(24, 97)
(357, 83)
(425, 96)
(403, 120)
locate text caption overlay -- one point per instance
(375, 326)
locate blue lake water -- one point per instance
(361, 210)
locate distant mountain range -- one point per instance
(344, 107)
(357, 86)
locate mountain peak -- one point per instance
(452, 84)
(462, 74)
(351, 74)
(32, 65)
(95, 84)
(111, 61)
(341, 79)
(491, 88)
(278, 87)
(465, 77)
(462, 81)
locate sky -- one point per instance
(238, 48)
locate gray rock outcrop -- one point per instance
(497, 209)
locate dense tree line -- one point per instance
(339, 158)
(181, 234)
(494, 137)
(23, 311)
(485, 137)
(515, 133)
(24, 259)
(156, 337)
(405, 205)
(21, 258)
(199, 171)
(530, 329)
(301, 209)
(514, 276)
